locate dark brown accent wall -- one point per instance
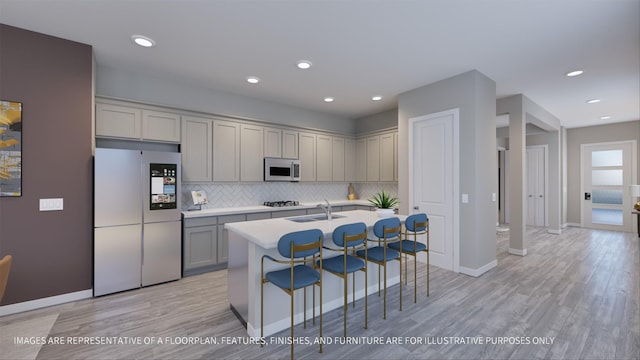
(52, 250)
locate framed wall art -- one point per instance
(10, 148)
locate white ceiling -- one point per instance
(361, 48)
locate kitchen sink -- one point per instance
(310, 218)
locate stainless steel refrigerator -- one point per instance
(137, 219)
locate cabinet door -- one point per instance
(289, 144)
(373, 158)
(160, 126)
(251, 153)
(118, 121)
(223, 245)
(324, 158)
(226, 151)
(350, 160)
(272, 142)
(395, 156)
(387, 154)
(307, 156)
(338, 160)
(361, 160)
(223, 235)
(196, 149)
(200, 247)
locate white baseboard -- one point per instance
(518, 252)
(555, 231)
(45, 302)
(574, 224)
(479, 271)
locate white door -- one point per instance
(433, 182)
(536, 181)
(607, 171)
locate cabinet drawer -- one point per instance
(200, 221)
(259, 216)
(231, 218)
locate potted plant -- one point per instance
(384, 203)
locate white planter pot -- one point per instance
(385, 213)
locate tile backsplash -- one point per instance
(222, 195)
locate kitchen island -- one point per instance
(250, 240)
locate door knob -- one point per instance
(541, 196)
(416, 208)
(587, 196)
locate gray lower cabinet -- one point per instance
(223, 235)
(200, 245)
(206, 241)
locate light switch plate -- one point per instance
(51, 204)
(465, 198)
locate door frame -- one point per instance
(455, 113)
(634, 177)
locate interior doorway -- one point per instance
(607, 171)
(434, 182)
(537, 185)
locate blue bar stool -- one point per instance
(416, 224)
(387, 230)
(296, 247)
(348, 238)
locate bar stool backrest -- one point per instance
(388, 223)
(349, 230)
(416, 222)
(299, 238)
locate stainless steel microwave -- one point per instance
(276, 169)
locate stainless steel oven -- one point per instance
(276, 169)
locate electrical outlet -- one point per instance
(51, 204)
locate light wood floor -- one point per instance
(579, 289)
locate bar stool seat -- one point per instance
(303, 276)
(336, 264)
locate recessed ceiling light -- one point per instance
(303, 64)
(377, 98)
(253, 79)
(593, 101)
(605, 117)
(328, 99)
(574, 73)
(143, 41)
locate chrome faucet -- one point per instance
(327, 209)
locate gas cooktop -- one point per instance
(281, 203)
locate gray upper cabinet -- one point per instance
(127, 122)
(387, 154)
(307, 156)
(251, 152)
(350, 160)
(226, 151)
(280, 143)
(324, 158)
(373, 158)
(290, 144)
(160, 126)
(118, 121)
(197, 149)
(338, 158)
(272, 142)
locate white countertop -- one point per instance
(266, 233)
(262, 208)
